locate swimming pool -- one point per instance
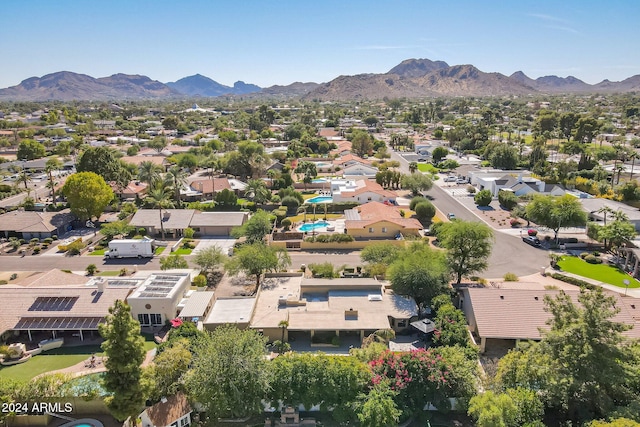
(84, 422)
(313, 226)
(320, 199)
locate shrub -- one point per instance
(425, 211)
(189, 232)
(532, 232)
(510, 277)
(324, 270)
(330, 238)
(471, 189)
(514, 222)
(483, 198)
(583, 255)
(414, 202)
(36, 250)
(335, 341)
(124, 271)
(275, 199)
(573, 281)
(591, 259)
(13, 276)
(291, 203)
(507, 199)
(48, 240)
(286, 223)
(200, 281)
(75, 247)
(91, 269)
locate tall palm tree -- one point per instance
(176, 178)
(413, 166)
(633, 156)
(149, 172)
(53, 164)
(605, 210)
(272, 174)
(24, 178)
(160, 198)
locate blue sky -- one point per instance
(283, 41)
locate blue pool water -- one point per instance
(320, 199)
(313, 226)
(319, 180)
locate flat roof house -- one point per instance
(342, 307)
(157, 299)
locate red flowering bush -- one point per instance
(532, 232)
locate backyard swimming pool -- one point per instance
(313, 226)
(320, 199)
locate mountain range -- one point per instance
(412, 78)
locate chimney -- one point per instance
(100, 284)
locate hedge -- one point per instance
(330, 238)
(573, 281)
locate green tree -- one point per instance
(417, 183)
(618, 422)
(361, 143)
(104, 161)
(159, 196)
(451, 326)
(158, 143)
(255, 259)
(149, 172)
(176, 178)
(116, 228)
(378, 408)
(255, 229)
(468, 246)
(210, 258)
(439, 153)
(124, 349)
(29, 149)
(419, 272)
(380, 253)
(88, 194)
(168, 368)
(308, 171)
(483, 198)
(230, 376)
(555, 212)
(415, 200)
(493, 410)
(226, 199)
(52, 165)
(257, 191)
(617, 233)
(425, 211)
(172, 262)
(507, 199)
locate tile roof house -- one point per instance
(133, 190)
(175, 221)
(360, 191)
(375, 220)
(350, 159)
(592, 205)
(61, 308)
(519, 314)
(495, 181)
(29, 224)
(172, 411)
(208, 188)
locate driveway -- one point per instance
(223, 243)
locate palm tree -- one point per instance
(53, 164)
(605, 210)
(149, 172)
(413, 166)
(257, 191)
(23, 177)
(633, 156)
(176, 178)
(272, 174)
(160, 197)
(284, 324)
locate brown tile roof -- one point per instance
(371, 186)
(374, 212)
(17, 302)
(209, 186)
(53, 278)
(28, 221)
(173, 219)
(165, 413)
(518, 313)
(351, 158)
(137, 160)
(134, 187)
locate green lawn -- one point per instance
(601, 272)
(159, 250)
(109, 273)
(99, 252)
(427, 167)
(182, 251)
(58, 358)
(52, 360)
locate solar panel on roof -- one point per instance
(57, 323)
(53, 304)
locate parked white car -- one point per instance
(451, 178)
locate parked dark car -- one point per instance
(531, 240)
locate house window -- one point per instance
(370, 229)
(156, 319)
(402, 324)
(369, 199)
(185, 421)
(144, 319)
(384, 229)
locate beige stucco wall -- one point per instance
(391, 231)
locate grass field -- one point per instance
(98, 252)
(58, 358)
(427, 167)
(601, 272)
(182, 251)
(310, 216)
